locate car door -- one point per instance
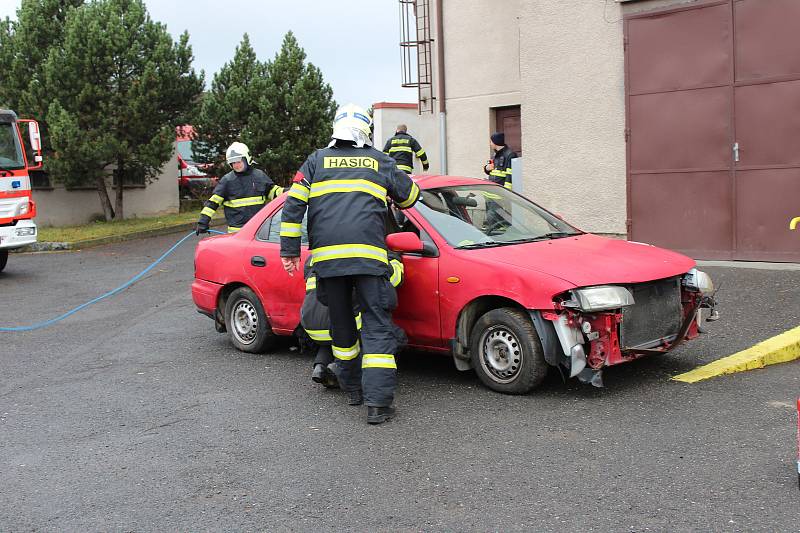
(418, 297)
(280, 294)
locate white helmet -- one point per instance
(238, 152)
(352, 123)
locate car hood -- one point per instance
(588, 259)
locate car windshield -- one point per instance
(10, 153)
(482, 216)
(185, 150)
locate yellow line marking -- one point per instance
(779, 349)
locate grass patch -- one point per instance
(97, 230)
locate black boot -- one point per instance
(319, 373)
(331, 380)
(355, 397)
(379, 415)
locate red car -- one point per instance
(493, 280)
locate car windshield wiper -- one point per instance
(473, 245)
(546, 236)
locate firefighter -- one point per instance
(499, 168)
(403, 147)
(315, 322)
(344, 188)
(242, 192)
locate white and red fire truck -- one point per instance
(17, 208)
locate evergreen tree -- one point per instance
(119, 86)
(229, 110)
(25, 44)
(295, 113)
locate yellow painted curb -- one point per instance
(779, 349)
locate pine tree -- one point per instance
(25, 44)
(294, 114)
(228, 112)
(119, 86)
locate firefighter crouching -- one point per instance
(344, 188)
(242, 192)
(315, 321)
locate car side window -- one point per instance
(270, 230)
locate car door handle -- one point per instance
(258, 261)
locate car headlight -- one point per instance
(22, 209)
(698, 280)
(600, 298)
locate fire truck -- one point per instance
(17, 208)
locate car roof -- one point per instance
(432, 182)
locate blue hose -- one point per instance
(119, 289)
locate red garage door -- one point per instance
(713, 114)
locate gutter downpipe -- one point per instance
(442, 104)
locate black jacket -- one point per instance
(402, 147)
(502, 167)
(242, 194)
(344, 189)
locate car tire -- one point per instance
(506, 352)
(247, 323)
(3, 259)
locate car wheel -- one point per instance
(3, 259)
(247, 322)
(506, 352)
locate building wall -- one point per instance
(482, 71)
(60, 207)
(387, 116)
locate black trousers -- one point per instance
(324, 355)
(368, 363)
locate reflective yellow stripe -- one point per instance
(378, 360)
(311, 283)
(421, 153)
(491, 196)
(233, 229)
(397, 272)
(207, 211)
(216, 198)
(400, 141)
(346, 354)
(299, 192)
(507, 185)
(401, 149)
(412, 197)
(347, 186)
(499, 173)
(509, 172)
(242, 202)
(324, 335)
(348, 251)
(290, 229)
(274, 192)
(405, 168)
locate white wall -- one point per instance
(421, 127)
(60, 207)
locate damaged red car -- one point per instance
(494, 281)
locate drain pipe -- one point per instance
(442, 104)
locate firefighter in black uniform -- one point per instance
(344, 188)
(315, 321)
(403, 147)
(499, 168)
(242, 192)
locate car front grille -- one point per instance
(655, 316)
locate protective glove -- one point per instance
(201, 228)
(425, 167)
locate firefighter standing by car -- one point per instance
(499, 168)
(403, 147)
(344, 188)
(315, 322)
(242, 192)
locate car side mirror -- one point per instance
(406, 241)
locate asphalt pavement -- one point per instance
(135, 415)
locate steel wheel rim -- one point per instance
(501, 354)
(244, 321)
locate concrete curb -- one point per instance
(779, 349)
(89, 243)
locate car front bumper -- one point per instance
(21, 234)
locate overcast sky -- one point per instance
(354, 42)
